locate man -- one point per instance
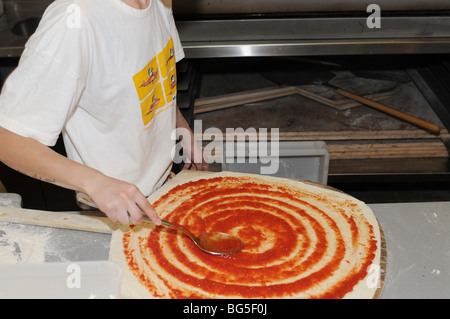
(101, 72)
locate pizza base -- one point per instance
(132, 287)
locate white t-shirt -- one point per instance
(104, 74)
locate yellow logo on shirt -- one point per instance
(146, 79)
(170, 85)
(153, 102)
(156, 83)
(166, 58)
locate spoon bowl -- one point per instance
(215, 243)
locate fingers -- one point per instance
(120, 216)
(146, 209)
(203, 166)
(136, 211)
(134, 214)
(124, 203)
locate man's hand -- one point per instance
(121, 201)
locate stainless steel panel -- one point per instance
(315, 47)
(200, 7)
(314, 36)
(426, 33)
(313, 28)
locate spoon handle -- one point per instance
(177, 227)
(86, 200)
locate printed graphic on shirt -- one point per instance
(156, 84)
(170, 86)
(166, 58)
(146, 79)
(152, 103)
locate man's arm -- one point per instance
(115, 198)
(191, 147)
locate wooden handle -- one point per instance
(73, 221)
(406, 117)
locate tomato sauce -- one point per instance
(220, 242)
(291, 245)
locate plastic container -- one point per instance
(68, 280)
(297, 160)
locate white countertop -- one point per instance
(418, 249)
(417, 239)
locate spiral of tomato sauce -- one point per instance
(297, 243)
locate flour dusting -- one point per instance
(22, 244)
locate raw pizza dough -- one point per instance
(302, 241)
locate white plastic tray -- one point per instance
(299, 160)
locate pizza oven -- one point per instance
(296, 44)
(263, 54)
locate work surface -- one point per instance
(417, 239)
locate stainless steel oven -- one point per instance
(215, 28)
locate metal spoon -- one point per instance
(215, 243)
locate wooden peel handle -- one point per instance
(406, 117)
(62, 220)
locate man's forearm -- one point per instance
(181, 121)
(191, 147)
(120, 201)
(36, 160)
